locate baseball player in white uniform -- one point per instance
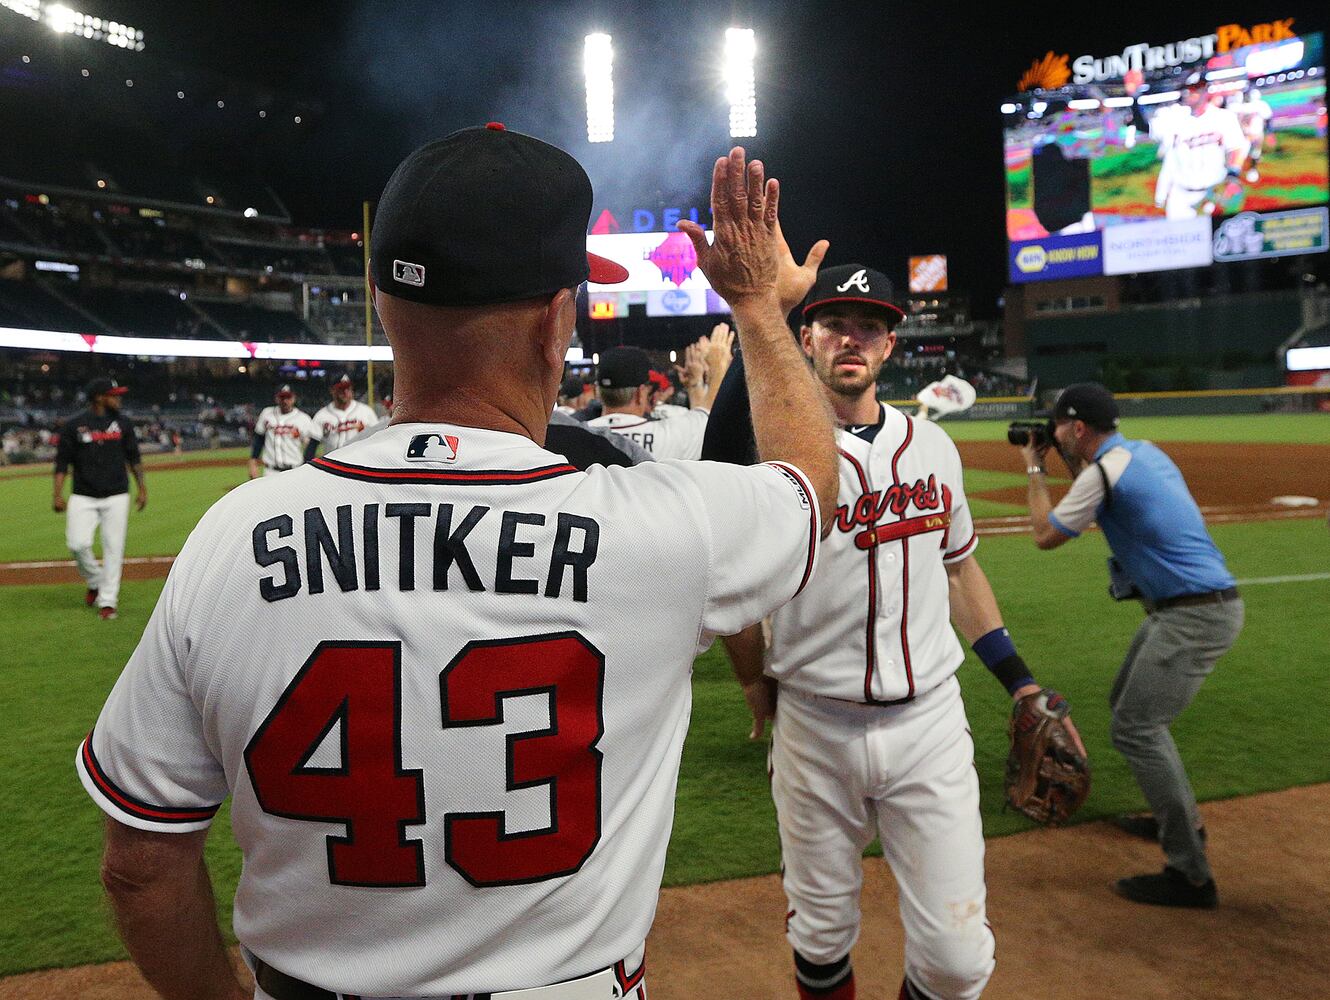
(281, 436)
(345, 418)
(451, 766)
(1201, 151)
(626, 389)
(870, 735)
(1254, 114)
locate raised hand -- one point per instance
(744, 261)
(794, 280)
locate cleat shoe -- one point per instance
(107, 614)
(1253, 176)
(90, 598)
(1146, 827)
(1169, 888)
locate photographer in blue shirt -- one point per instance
(1162, 555)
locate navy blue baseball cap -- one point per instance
(1088, 401)
(852, 283)
(484, 216)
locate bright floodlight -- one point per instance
(67, 21)
(740, 88)
(28, 8)
(599, 58)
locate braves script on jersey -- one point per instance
(453, 757)
(873, 625)
(284, 436)
(337, 427)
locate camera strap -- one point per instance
(1108, 490)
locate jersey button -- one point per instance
(891, 557)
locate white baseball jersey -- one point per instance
(284, 436)
(338, 427)
(874, 624)
(1254, 116)
(452, 759)
(1199, 146)
(678, 437)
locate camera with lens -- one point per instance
(1036, 432)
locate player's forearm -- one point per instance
(59, 485)
(791, 419)
(136, 470)
(974, 608)
(975, 612)
(745, 650)
(167, 919)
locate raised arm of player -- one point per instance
(720, 352)
(791, 419)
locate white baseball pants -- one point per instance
(842, 772)
(598, 986)
(83, 517)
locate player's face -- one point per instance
(286, 403)
(1196, 98)
(341, 394)
(848, 344)
(111, 402)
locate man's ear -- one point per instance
(806, 340)
(557, 323)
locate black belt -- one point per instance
(280, 986)
(279, 468)
(1184, 600)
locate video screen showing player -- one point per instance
(1245, 131)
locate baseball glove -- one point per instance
(1047, 777)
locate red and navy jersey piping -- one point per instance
(487, 477)
(137, 807)
(814, 529)
(905, 565)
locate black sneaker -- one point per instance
(1145, 827)
(1169, 888)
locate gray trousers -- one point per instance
(1173, 652)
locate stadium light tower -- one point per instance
(65, 20)
(599, 61)
(740, 88)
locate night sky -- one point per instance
(881, 120)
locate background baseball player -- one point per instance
(1254, 114)
(626, 389)
(870, 736)
(281, 436)
(341, 421)
(452, 761)
(99, 443)
(1203, 151)
(574, 393)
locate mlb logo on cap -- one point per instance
(408, 273)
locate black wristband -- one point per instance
(1012, 672)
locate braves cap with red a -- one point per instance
(104, 387)
(852, 283)
(286, 390)
(344, 380)
(483, 216)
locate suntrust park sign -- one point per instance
(1150, 58)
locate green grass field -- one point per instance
(1252, 728)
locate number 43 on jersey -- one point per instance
(357, 686)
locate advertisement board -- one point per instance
(1209, 127)
(656, 262)
(928, 273)
(1157, 246)
(1252, 235)
(1055, 257)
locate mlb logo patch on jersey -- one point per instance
(433, 448)
(797, 483)
(408, 273)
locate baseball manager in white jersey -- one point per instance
(282, 435)
(344, 419)
(870, 735)
(452, 761)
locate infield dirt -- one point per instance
(1061, 932)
